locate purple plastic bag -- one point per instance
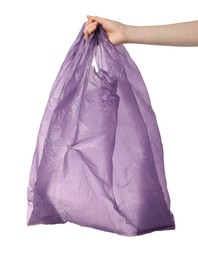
(99, 157)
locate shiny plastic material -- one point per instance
(99, 157)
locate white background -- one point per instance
(34, 39)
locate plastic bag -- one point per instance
(99, 157)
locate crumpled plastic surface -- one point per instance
(98, 161)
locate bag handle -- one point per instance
(106, 54)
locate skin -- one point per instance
(177, 34)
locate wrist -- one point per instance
(129, 32)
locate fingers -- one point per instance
(98, 19)
(90, 27)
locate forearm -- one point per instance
(179, 34)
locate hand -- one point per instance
(115, 30)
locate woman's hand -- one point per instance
(115, 30)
